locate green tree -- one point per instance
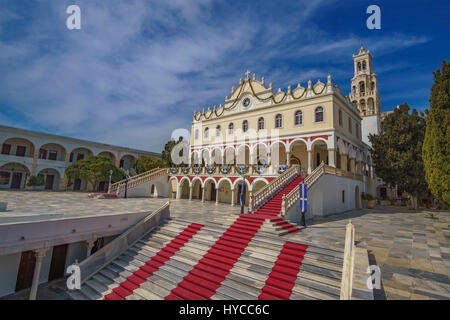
(145, 163)
(94, 170)
(166, 153)
(397, 151)
(436, 146)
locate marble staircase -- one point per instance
(318, 277)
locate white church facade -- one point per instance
(262, 133)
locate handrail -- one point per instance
(349, 261)
(263, 195)
(291, 198)
(114, 185)
(136, 180)
(112, 250)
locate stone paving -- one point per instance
(37, 206)
(411, 248)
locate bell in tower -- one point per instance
(364, 89)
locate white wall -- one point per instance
(8, 273)
(325, 197)
(143, 190)
(369, 125)
(76, 251)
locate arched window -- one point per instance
(278, 121)
(261, 123)
(245, 126)
(298, 118)
(230, 128)
(218, 131)
(319, 114)
(317, 159)
(359, 66)
(362, 87)
(350, 124)
(206, 133)
(373, 86)
(196, 134)
(354, 90)
(364, 65)
(152, 191)
(340, 118)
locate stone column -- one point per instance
(233, 197)
(203, 194)
(179, 191)
(217, 196)
(288, 158)
(35, 160)
(89, 245)
(344, 159)
(352, 165)
(40, 254)
(191, 191)
(332, 157)
(118, 159)
(310, 161)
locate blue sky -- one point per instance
(138, 68)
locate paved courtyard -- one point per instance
(411, 248)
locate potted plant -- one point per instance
(36, 182)
(368, 200)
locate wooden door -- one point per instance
(16, 180)
(213, 192)
(49, 182)
(26, 270)
(58, 264)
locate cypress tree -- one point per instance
(436, 147)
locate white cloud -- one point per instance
(138, 69)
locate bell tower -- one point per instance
(364, 89)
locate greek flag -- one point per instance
(242, 192)
(303, 197)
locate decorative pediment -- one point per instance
(252, 90)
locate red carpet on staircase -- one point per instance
(207, 275)
(134, 281)
(272, 208)
(281, 280)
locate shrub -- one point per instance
(36, 181)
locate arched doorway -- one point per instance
(224, 187)
(13, 176)
(357, 198)
(51, 178)
(197, 189)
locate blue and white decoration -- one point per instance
(303, 197)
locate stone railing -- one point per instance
(119, 187)
(349, 261)
(268, 191)
(290, 199)
(112, 250)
